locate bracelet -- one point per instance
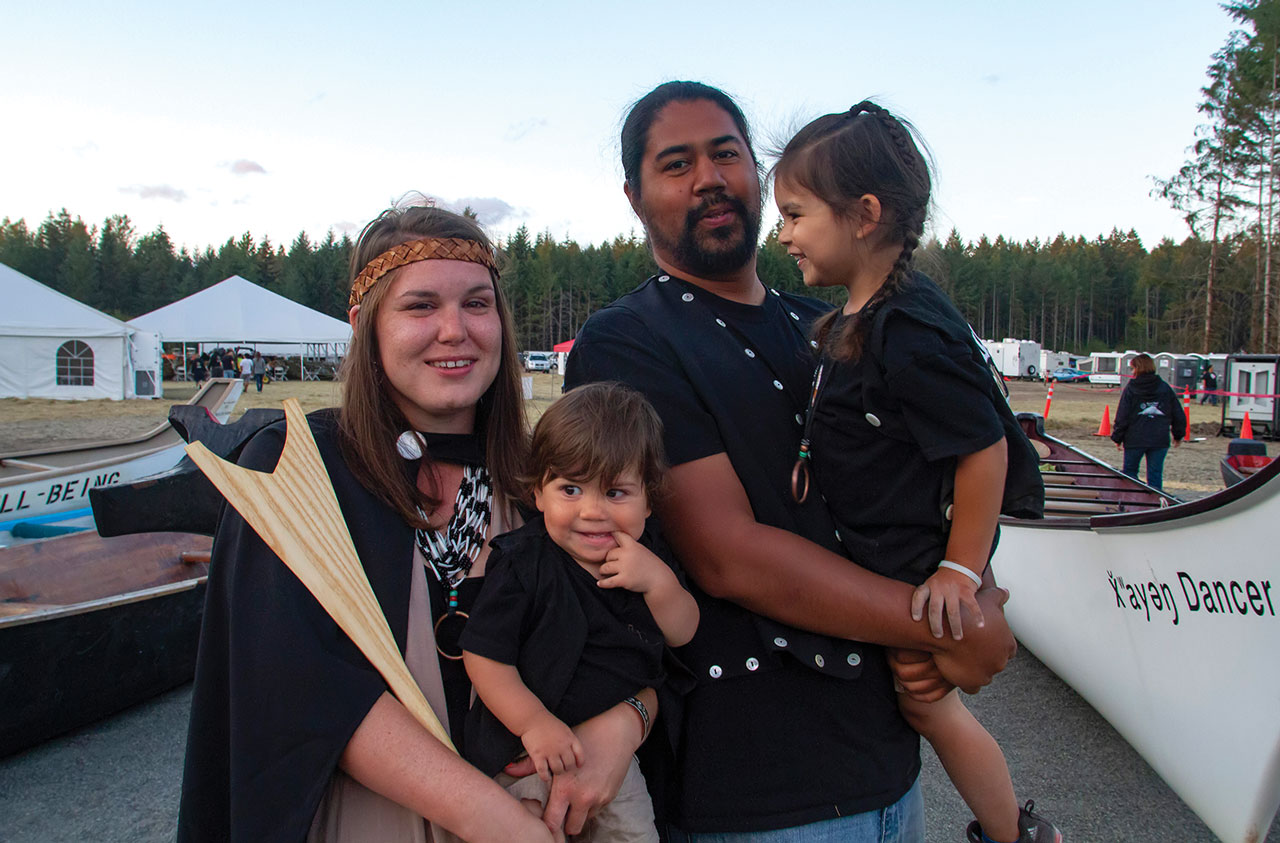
(956, 566)
(644, 716)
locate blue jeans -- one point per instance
(901, 822)
(1155, 464)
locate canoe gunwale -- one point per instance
(49, 612)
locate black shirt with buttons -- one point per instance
(785, 727)
(580, 649)
(888, 427)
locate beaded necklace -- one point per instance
(450, 553)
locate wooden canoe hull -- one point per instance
(1166, 622)
(129, 632)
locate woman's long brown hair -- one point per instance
(370, 421)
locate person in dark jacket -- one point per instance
(1149, 411)
(1210, 379)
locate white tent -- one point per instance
(52, 346)
(238, 312)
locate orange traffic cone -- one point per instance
(1246, 427)
(1104, 429)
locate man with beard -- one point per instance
(792, 723)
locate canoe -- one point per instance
(90, 626)
(1236, 467)
(53, 480)
(1161, 615)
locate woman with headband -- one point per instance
(294, 735)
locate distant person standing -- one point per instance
(259, 369)
(194, 368)
(1210, 379)
(1148, 412)
(246, 369)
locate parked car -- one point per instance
(539, 361)
(1065, 374)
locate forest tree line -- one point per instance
(1072, 293)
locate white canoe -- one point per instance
(52, 480)
(1164, 618)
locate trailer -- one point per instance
(1016, 358)
(1106, 368)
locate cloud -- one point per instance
(156, 191)
(244, 167)
(517, 131)
(489, 209)
(992, 79)
(345, 226)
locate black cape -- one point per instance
(279, 688)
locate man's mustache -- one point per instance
(717, 201)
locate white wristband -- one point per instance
(956, 566)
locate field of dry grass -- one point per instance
(1191, 470)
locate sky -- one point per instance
(276, 118)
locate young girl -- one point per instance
(909, 448)
(577, 607)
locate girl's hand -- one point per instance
(916, 675)
(947, 590)
(552, 746)
(634, 567)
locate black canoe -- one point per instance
(90, 626)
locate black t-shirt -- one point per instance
(580, 649)
(889, 426)
(785, 727)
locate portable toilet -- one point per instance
(1187, 370)
(1164, 365)
(1250, 381)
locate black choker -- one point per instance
(461, 448)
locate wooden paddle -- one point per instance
(295, 511)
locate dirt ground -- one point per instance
(1190, 471)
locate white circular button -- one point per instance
(720, 322)
(813, 343)
(662, 279)
(777, 384)
(749, 353)
(947, 514)
(687, 297)
(775, 292)
(715, 671)
(793, 316)
(819, 660)
(873, 420)
(799, 419)
(854, 659)
(752, 664)
(780, 641)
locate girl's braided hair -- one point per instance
(841, 157)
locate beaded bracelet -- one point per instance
(644, 716)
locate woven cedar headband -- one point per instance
(428, 248)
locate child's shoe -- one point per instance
(1032, 828)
